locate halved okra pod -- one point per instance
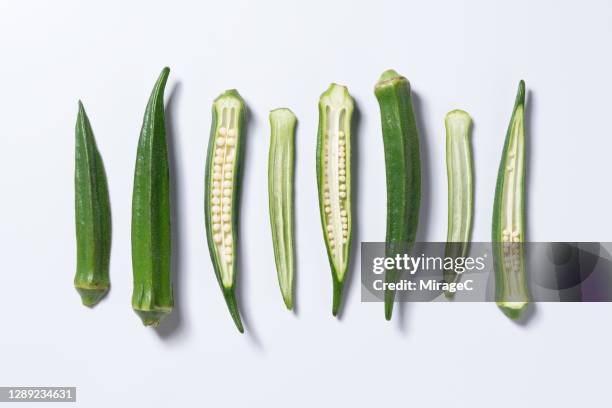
(151, 246)
(92, 213)
(460, 187)
(222, 192)
(280, 196)
(511, 293)
(334, 182)
(403, 169)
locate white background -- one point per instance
(457, 54)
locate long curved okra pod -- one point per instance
(334, 182)
(403, 169)
(280, 196)
(460, 187)
(222, 192)
(151, 246)
(92, 213)
(511, 293)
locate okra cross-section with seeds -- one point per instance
(92, 213)
(460, 188)
(511, 290)
(280, 193)
(334, 182)
(222, 192)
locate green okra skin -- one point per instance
(280, 197)
(460, 188)
(334, 182)
(403, 169)
(92, 214)
(511, 293)
(222, 192)
(152, 296)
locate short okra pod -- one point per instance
(222, 192)
(403, 169)
(280, 197)
(460, 187)
(334, 182)
(151, 230)
(92, 213)
(511, 293)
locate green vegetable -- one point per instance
(511, 292)
(151, 246)
(92, 213)
(334, 181)
(460, 188)
(403, 169)
(222, 192)
(280, 195)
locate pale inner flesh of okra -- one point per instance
(512, 217)
(222, 191)
(336, 184)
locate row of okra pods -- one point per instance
(152, 297)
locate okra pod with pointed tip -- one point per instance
(511, 293)
(92, 213)
(334, 182)
(403, 169)
(460, 188)
(222, 192)
(280, 197)
(151, 246)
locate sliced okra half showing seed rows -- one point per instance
(460, 188)
(334, 182)
(511, 292)
(280, 197)
(222, 192)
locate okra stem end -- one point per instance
(153, 317)
(514, 310)
(91, 296)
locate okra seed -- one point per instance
(222, 131)
(215, 209)
(330, 227)
(342, 187)
(231, 132)
(343, 213)
(342, 194)
(226, 200)
(342, 178)
(216, 192)
(216, 227)
(340, 133)
(341, 165)
(215, 184)
(221, 141)
(226, 227)
(231, 141)
(218, 160)
(509, 168)
(515, 234)
(228, 175)
(328, 209)
(227, 192)
(326, 201)
(341, 153)
(226, 209)
(225, 217)
(219, 151)
(342, 172)
(216, 200)
(228, 240)
(345, 234)
(344, 226)
(228, 250)
(341, 142)
(216, 218)
(217, 168)
(217, 238)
